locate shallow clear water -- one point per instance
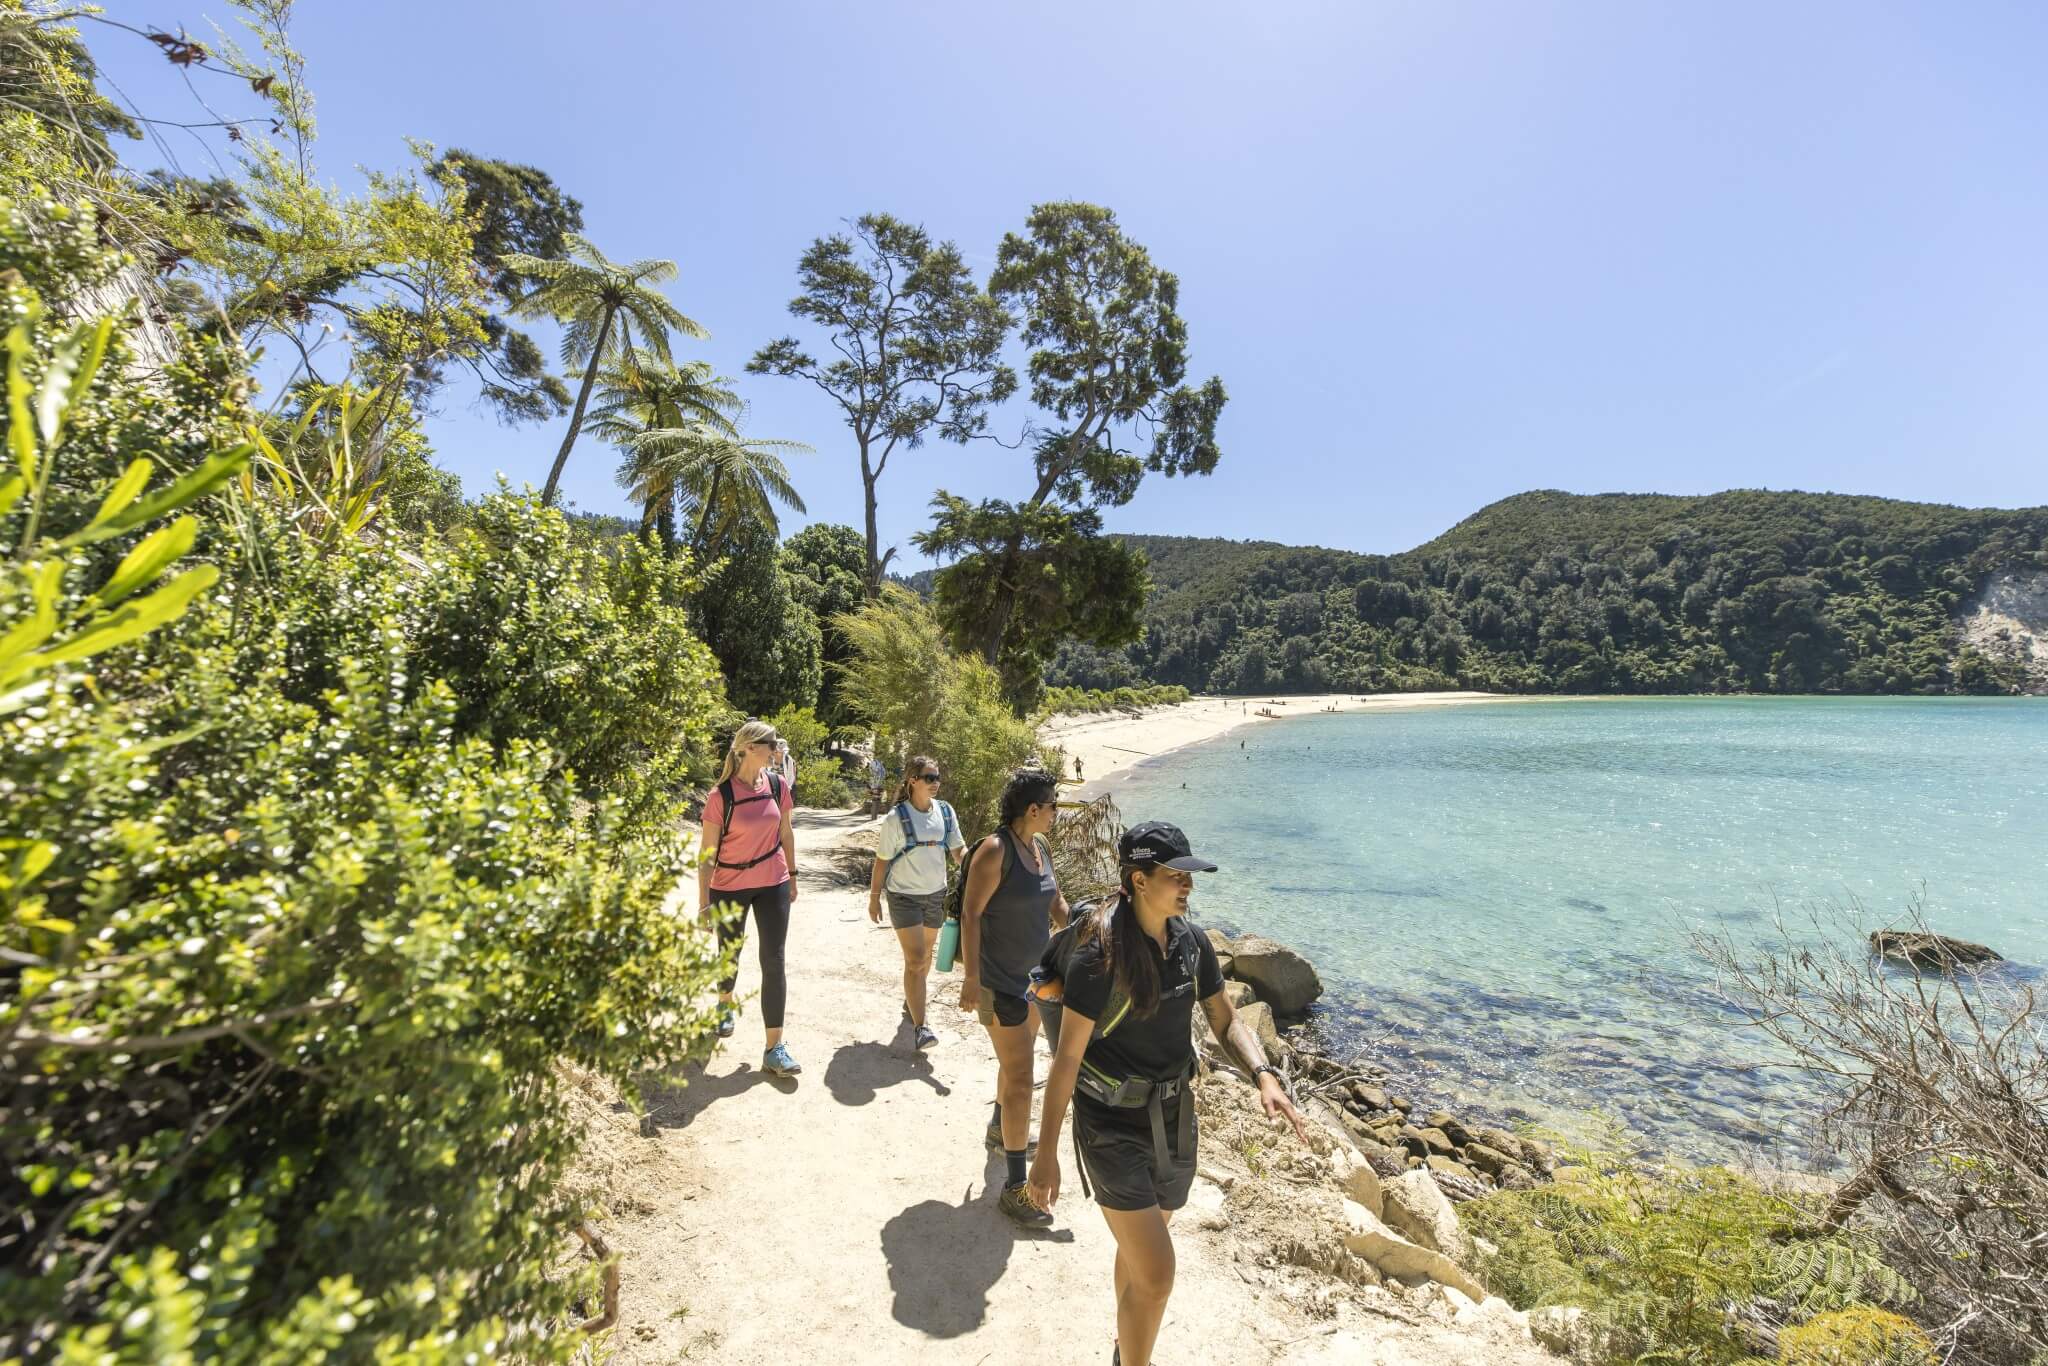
(1499, 895)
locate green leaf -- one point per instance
(35, 628)
(217, 469)
(152, 555)
(26, 695)
(125, 490)
(11, 490)
(21, 437)
(137, 619)
(54, 398)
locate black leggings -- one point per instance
(771, 913)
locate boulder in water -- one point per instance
(1936, 951)
(1283, 978)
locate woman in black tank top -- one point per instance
(1008, 910)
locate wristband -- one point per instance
(1270, 1070)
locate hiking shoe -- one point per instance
(993, 1140)
(726, 1020)
(777, 1062)
(1016, 1202)
(925, 1037)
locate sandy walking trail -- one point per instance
(848, 1215)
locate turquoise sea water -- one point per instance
(1500, 894)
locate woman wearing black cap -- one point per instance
(1125, 1059)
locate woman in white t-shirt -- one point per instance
(920, 839)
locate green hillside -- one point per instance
(1745, 591)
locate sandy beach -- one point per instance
(1108, 743)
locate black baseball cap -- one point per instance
(1156, 844)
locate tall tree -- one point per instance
(766, 639)
(600, 302)
(919, 346)
(514, 210)
(1108, 360)
(734, 481)
(653, 413)
(827, 568)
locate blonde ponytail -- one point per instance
(751, 733)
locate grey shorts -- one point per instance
(908, 910)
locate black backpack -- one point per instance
(957, 894)
(726, 804)
(1059, 955)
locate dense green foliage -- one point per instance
(767, 641)
(826, 574)
(329, 837)
(921, 698)
(1659, 1257)
(1737, 592)
(1108, 360)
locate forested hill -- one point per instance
(1742, 591)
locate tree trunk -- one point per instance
(867, 484)
(547, 495)
(665, 522)
(998, 624)
(704, 515)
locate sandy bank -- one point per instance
(1107, 743)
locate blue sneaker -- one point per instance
(777, 1062)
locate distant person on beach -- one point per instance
(750, 865)
(918, 843)
(1125, 1060)
(1008, 910)
(1077, 768)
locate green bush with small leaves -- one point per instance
(921, 698)
(308, 891)
(1672, 1263)
(1862, 1336)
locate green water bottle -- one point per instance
(949, 943)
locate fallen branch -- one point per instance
(598, 1251)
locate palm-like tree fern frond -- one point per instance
(608, 311)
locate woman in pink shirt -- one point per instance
(750, 864)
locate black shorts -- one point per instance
(1118, 1155)
(1001, 1008)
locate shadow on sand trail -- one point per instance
(944, 1259)
(859, 1070)
(676, 1098)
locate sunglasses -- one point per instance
(930, 778)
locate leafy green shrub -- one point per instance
(921, 698)
(1666, 1261)
(305, 898)
(820, 780)
(1070, 701)
(1862, 1336)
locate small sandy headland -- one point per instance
(1109, 742)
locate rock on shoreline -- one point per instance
(1937, 951)
(1269, 982)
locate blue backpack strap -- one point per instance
(946, 812)
(909, 842)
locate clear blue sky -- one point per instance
(1439, 253)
